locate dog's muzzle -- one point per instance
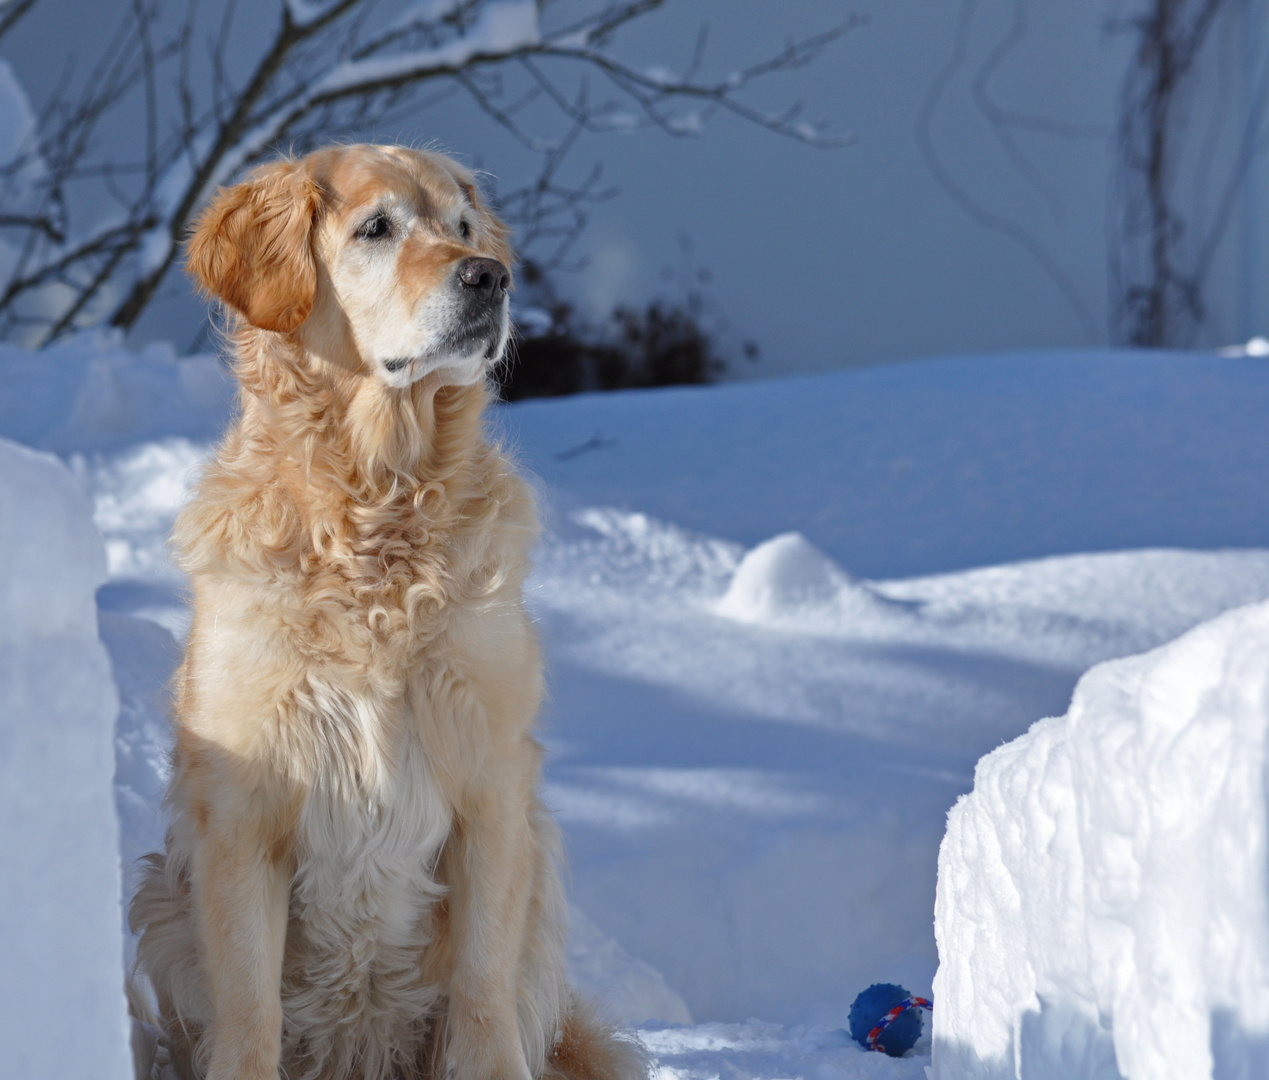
(483, 284)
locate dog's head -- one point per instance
(376, 257)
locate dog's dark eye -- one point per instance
(464, 230)
(376, 228)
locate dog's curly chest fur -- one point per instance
(364, 901)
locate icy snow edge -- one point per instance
(1102, 893)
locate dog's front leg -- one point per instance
(241, 894)
(490, 869)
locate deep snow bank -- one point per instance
(62, 1011)
(1103, 894)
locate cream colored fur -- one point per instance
(359, 881)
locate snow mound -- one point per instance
(59, 839)
(1103, 902)
(787, 581)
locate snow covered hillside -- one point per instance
(937, 465)
(784, 620)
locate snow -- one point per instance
(620, 120)
(423, 13)
(926, 467)
(1256, 346)
(661, 75)
(499, 28)
(59, 838)
(754, 807)
(91, 394)
(756, 1049)
(788, 582)
(783, 622)
(624, 988)
(1103, 906)
(688, 123)
(303, 13)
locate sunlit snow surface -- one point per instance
(771, 674)
(1103, 908)
(756, 1049)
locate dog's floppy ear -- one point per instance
(252, 247)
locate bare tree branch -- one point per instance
(1159, 298)
(11, 13)
(332, 68)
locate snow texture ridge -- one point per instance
(1103, 902)
(62, 1009)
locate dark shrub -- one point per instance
(662, 344)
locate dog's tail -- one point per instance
(589, 1049)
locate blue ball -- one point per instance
(872, 1005)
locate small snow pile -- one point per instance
(1103, 894)
(787, 581)
(62, 1011)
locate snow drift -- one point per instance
(1103, 894)
(62, 1011)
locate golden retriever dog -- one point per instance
(359, 881)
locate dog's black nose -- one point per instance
(487, 278)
